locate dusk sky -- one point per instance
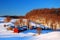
(21, 7)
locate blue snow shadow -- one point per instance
(27, 37)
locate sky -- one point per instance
(22, 7)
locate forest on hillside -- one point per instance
(45, 16)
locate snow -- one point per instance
(13, 20)
(2, 19)
(8, 34)
(49, 36)
(28, 34)
(54, 35)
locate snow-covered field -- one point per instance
(28, 34)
